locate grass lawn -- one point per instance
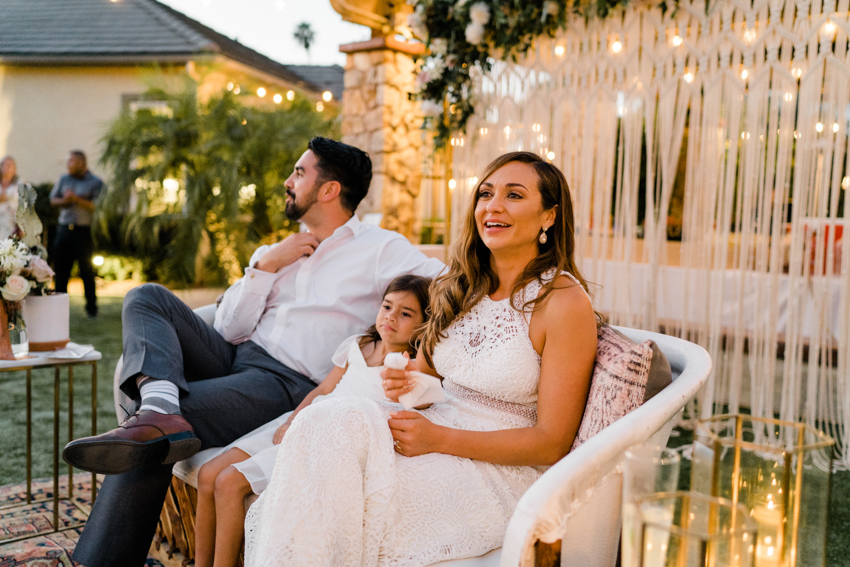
(105, 334)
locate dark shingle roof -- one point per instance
(327, 77)
(55, 32)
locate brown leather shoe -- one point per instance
(144, 437)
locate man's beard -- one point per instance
(294, 210)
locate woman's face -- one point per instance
(509, 213)
(8, 169)
(398, 317)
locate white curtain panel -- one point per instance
(745, 106)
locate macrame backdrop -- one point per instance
(745, 106)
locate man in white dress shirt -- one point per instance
(274, 333)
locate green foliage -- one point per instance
(197, 185)
(120, 268)
(464, 37)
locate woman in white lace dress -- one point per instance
(513, 336)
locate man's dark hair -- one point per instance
(349, 166)
(80, 154)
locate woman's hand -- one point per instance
(281, 431)
(397, 382)
(414, 434)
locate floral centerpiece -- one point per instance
(22, 272)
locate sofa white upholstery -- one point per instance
(578, 500)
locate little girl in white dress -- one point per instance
(246, 465)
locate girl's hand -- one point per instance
(414, 434)
(396, 382)
(281, 431)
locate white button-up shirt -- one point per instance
(302, 313)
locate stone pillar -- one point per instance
(378, 117)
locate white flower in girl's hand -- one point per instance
(16, 288)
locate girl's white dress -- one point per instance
(341, 496)
(359, 380)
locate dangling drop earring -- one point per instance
(543, 238)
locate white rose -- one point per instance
(474, 33)
(479, 13)
(431, 108)
(40, 270)
(439, 46)
(16, 288)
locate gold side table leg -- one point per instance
(29, 435)
(70, 427)
(56, 449)
(93, 423)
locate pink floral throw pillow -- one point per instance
(618, 384)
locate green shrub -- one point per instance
(196, 188)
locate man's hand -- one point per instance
(281, 431)
(286, 252)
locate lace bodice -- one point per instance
(488, 349)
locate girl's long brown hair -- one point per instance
(418, 287)
(470, 277)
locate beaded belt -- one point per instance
(458, 391)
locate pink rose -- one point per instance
(16, 288)
(39, 270)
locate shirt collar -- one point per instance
(354, 225)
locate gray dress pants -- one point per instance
(225, 392)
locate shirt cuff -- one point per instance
(258, 282)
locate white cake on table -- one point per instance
(47, 320)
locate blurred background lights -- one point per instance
(559, 50)
(452, 183)
(290, 95)
(98, 260)
(677, 40)
(327, 96)
(819, 127)
(616, 47)
(277, 98)
(551, 155)
(319, 106)
(261, 92)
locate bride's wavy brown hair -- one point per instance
(470, 277)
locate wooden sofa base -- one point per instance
(177, 521)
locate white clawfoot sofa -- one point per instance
(578, 500)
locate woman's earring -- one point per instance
(543, 238)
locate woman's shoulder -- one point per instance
(568, 296)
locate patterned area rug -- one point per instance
(50, 549)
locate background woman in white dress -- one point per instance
(513, 336)
(8, 197)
